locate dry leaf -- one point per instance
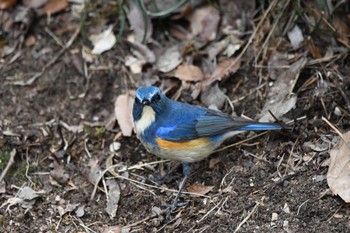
(69, 208)
(34, 4)
(123, 112)
(58, 173)
(280, 98)
(27, 193)
(213, 97)
(213, 162)
(103, 41)
(134, 64)
(6, 4)
(204, 22)
(115, 229)
(137, 21)
(225, 68)
(343, 32)
(236, 15)
(313, 49)
(338, 176)
(277, 64)
(95, 171)
(80, 211)
(55, 6)
(142, 51)
(296, 37)
(199, 189)
(189, 73)
(29, 41)
(169, 60)
(113, 197)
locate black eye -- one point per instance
(137, 100)
(156, 98)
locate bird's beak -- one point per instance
(146, 102)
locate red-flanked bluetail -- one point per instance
(183, 132)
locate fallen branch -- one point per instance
(9, 164)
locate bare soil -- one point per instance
(274, 183)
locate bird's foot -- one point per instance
(171, 208)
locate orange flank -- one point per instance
(190, 144)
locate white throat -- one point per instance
(147, 118)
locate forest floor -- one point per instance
(70, 162)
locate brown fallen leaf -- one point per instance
(123, 112)
(204, 22)
(134, 64)
(29, 41)
(225, 68)
(338, 175)
(7, 4)
(55, 6)
(189, 73)
(343, 32)
(313, 49)
(199, 189)
(213, 162)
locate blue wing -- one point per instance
(199, 122)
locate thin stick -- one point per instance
(207, 214)
(9, 164)
(336, 130)
(240, 142)
(246, 218)
(138, 182)
(50, 63)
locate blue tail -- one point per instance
(262, 126)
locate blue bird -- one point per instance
(183, 132)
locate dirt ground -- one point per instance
(57, 129)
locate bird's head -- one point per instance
(149, 101)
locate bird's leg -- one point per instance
(187, 168)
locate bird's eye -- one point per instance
(156, 98)
(137, 100)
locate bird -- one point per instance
(182, 132)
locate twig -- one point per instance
(207, 214)
(138, 182)
(246, 218)
(267, 12)
(337, 210)
(241, 142)
(144, 220)
(301, 206)
(336, 130)
(9, 164)
(50, 63)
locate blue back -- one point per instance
(182, 122)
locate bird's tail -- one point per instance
(264, 126)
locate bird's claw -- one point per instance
(170, 208)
